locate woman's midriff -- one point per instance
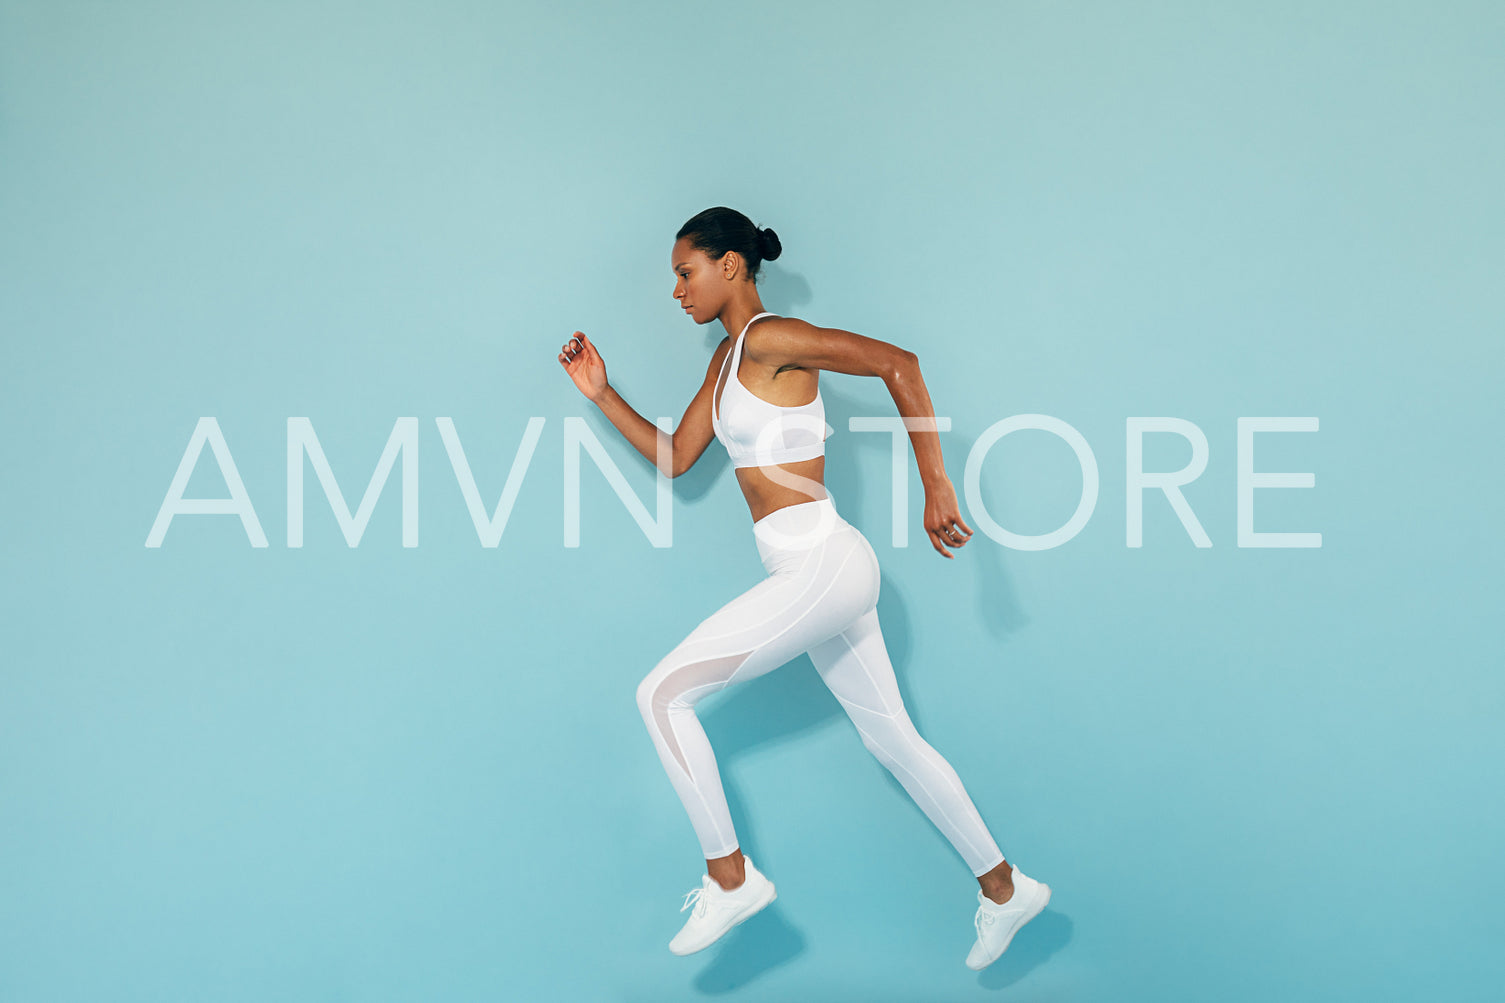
(768, 489)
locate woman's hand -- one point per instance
(580, 359)
(943, 519)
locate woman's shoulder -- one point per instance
(776, 334)
(779, 320)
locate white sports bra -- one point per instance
(757, 433)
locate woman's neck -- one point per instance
(736, 318)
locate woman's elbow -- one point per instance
(903, 364)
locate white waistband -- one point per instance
(798, 527)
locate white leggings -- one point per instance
(820, 598)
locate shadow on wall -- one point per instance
(751, 950)
(1045, 935)
(780, 288)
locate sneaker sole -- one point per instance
(1037, 910)
(752, 910)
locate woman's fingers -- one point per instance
(936, 541)
(954, 534)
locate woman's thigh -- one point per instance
(777, 619)
(855, 666)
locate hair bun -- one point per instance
(769, 242)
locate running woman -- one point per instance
(761, 398)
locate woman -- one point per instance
(761, 398)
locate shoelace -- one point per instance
(696, 898)
(987, 917)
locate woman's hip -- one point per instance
(812, 593)
(798, 528)
(811, 543)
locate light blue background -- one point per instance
(381, 773)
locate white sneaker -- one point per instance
(718, 910)
(996, 924)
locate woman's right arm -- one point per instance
(689, 439)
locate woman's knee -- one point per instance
(881, 748)
(894, 742)
(656, 690)
(647, 688)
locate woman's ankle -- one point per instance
(729, 872)
(998, 884)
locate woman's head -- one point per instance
(714, 251)
(719, 230)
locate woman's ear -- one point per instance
(731, 265)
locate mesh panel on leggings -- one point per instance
(680, 687)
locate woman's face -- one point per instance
(698, 282)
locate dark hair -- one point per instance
(718, 230)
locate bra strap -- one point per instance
(737, 346)
(765, 313)
(734, 359)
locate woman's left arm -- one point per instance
(787, 341)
